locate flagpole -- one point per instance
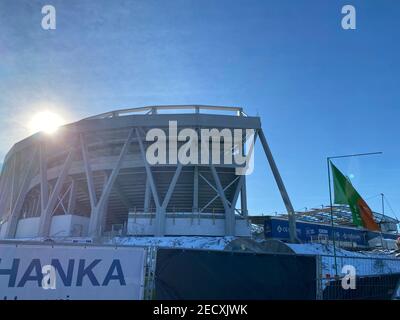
(328, 160)
(383, 216)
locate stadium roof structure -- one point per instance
(341, 216)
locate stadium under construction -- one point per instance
(92, 179)
(89, 201)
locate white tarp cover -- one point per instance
(81, 272)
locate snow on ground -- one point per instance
(191, 242)
(365, 262)
(323, 249)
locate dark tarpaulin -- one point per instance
(200, 274)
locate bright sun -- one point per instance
(45, 121)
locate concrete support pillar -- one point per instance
(160, 222)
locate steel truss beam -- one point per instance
(281, 187)
(217, 196)
(229, 209)
(46, 214)
(160, 207)
(97, 216)
(72, 197)
(88, 172)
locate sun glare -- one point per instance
(45, 121)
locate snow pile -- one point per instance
(190, 242)
(365, 262)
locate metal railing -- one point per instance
(238, 111)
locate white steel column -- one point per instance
(13, 218)
(243, 199)
(88, 172)
(72, 197)
(160, 208)
(229, 212)
(46, 214)
(172, 186)
(159, 214)
(44, 187)
(281, 187)
(147, 196)
(148, 170)
(238, 189)
(98, 212)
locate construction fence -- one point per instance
(190, 274)
(357, 278)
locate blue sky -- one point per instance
(319, 90)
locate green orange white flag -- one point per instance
(344, 193)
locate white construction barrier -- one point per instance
(33, 271)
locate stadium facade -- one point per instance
(92, 179)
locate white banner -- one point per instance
(40, 272)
